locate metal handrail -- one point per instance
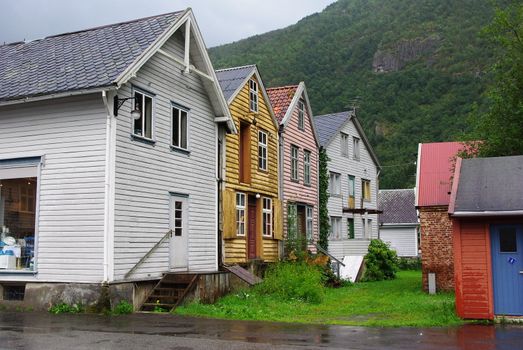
(329, 255)
(168, 234)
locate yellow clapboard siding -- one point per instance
(263, 182)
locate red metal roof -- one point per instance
(281, 98)
(437, 161)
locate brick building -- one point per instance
(436, 163)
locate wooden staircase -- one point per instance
(169, 292)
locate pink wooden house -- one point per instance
(298, 163)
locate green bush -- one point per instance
(381, 262)
(409, 264)
(293, 281)
(64, 308)
(123, 308)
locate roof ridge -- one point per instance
(112, 25)
(331, 114)
(283, 87)
(234, 68)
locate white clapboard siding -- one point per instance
(70, 134)
(145, 174)
(365, 168)
(402, 239)
(341, 248)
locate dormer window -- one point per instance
(301, 115)
(253, 95)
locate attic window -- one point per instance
(143, 126)
(253, 95)
(356, 148)
(301, 115)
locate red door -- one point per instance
(251, 235)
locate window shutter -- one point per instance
(278, 219)
(229, 214)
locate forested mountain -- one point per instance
(413, 69)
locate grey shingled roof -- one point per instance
(328, 124)
(230, 79)
(76, 61)
(490, 184)
(397, 206)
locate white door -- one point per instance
(179, 237)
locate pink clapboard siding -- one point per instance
(297, 191)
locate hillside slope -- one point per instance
(412, 68)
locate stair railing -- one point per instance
(335, 261)
(168, 234)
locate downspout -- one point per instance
(377, 204)
(107, 186)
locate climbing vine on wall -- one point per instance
(324, 198)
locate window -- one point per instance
(334, 184)
(508, 240)
(294, 163)
(262, 150)
(335, 230)
(292, 221)
(253, 95)
(344, 144)
(267, 217)
(356, 148)
(143, 126)
(245, 153)
(301, 115)
(350, 228)
(180, 127)
(178, 218)
(240, 214)
(367, 229)
(352, 192)
(307, 167)
(27, 197)
(365, 190)
(308, 226)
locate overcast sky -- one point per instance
(221, 21)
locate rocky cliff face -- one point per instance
(403, 52)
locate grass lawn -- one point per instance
(395, 303)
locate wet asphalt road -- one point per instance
(153, 331)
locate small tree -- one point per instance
(324, 199)
(381, 262)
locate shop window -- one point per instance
(17, 223)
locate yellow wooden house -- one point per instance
(251, 225)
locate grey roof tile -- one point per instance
(490, 184)
(230, 79)
(328, 124)
(79, 60)
(397, 206)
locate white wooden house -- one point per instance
(353, 187)
(399, 224)
(109, 147)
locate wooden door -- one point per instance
(179, 237)
(251, 234)
(507, 269)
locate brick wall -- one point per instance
(436, 247)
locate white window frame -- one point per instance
(355, 148)
(267, 216)
(309, 222)
(253, 95)
(301, 115)
(334, 183)
(262, 150)
(307, 167)
(295, 163)
(335, 228)
(180, 110)
(240, 213)
(153, 103)
(344, 144)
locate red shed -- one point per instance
(486, 209)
